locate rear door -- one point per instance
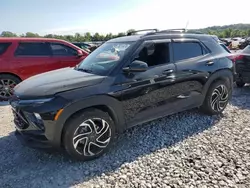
(31, 58)
(64, 56)
(193, 66)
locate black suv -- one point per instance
(124, 82)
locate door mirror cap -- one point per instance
(79, 53)
(136, 66)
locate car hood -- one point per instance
(52, 82)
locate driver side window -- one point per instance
(155, 54)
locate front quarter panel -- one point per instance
(113, 105)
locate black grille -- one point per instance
(19, 119)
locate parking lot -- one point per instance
(183, 150)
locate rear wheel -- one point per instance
(240, 84)
(217, 98)
(7, 84)
(88, 135)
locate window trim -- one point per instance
(185, 40)
(58, 43)
(18, 44)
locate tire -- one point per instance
(10, 81)
(240, 84)
(102, 136)
(217, 98)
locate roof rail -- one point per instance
(173, 30)
(170, 31)
(134, 32)
(194, 32)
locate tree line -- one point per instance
(77, 37)
(227, 31)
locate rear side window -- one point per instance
(33, 49)
(247, 49)
(4, 47)
(62, 50)
(186, 50)
(225, 48)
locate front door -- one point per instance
(147, 95)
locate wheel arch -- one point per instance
(12, 74)
(102, 102)
(223, 74)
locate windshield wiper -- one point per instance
(85, 70)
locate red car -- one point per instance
(21, 58)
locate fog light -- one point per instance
(35, 119)
(39, 120)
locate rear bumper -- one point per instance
(243, 77)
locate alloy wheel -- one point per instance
(6, 88)
(92, 137)
(219, 98)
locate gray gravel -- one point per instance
(183, 150)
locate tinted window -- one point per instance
(33, 49)
(155, 54)
(225, 48)
(62, 50)
(247, 49)
(4, 47)
(186, 50)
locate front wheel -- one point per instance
(7, 84)
(217, 98)
(88, 135)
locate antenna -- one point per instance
(187, 25)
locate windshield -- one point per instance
(104, 58)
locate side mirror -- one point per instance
(79, 53)
(136, 66)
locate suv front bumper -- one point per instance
(35, 122)
(32, 135)
(33, 140)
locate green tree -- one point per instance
(108, 36)
(49, 36)
(30, 34)
(8, 34)
(121, 34)
(87, 37)
(69, 38)
(130, 30)
(96, 37)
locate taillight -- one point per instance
(235, 58)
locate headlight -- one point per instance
(35, 101)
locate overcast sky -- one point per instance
(104, 16)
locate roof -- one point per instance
(158, 36)
(28, 39)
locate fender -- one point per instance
(220, 74)
(114, 106)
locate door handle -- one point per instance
(209, 63)
(169, 71)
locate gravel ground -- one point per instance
(183, 150)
